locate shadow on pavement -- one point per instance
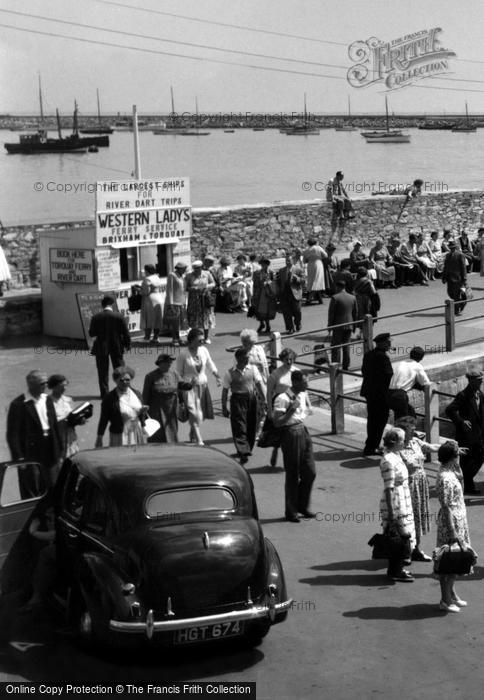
(267, 469)
(418, 611)
(366, 564)
(361, 463)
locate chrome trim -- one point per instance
(255, 613)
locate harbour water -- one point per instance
(227, 169)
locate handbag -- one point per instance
(80, 414)
(390, 545)
(270, 435)
(452, 559)
(182, 411)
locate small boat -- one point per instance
(93, 149)
(100, 129)
(436, 125)
(346, 127)
(229, 131)
(303, 129)
(196, 131)
(466, 127)
(387, 136)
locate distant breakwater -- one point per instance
(268, 228)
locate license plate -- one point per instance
(204, 633)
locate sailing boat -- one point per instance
(196, 131)
(346, 127)
(387, 136)
(301, 129)
(100, 129)
(466, 127)
(172, 130)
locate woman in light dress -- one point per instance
(5, 275)
(192, 366)
(57, 383)
(176, 302)
(438, 255)
(314, 256)
(123, 409)
(382, 261)
(452, 524)
(413, 454)
(426, 257)
(396, 510)
(151, 304)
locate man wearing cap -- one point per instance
(341, 203)
(110, 330)
(289, 412)
(466, 412)
(377, 372)
(175, 312)
(407, 375)
(455, 276)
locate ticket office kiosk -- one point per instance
(72, 264)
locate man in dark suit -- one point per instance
(33, 434)
(342, 309)
(110, 329)
(377, 372)
(289, 291)
(344, 274)
(455, 276)
(466, 412)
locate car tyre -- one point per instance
(256, 633)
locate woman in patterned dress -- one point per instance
(413, 454)
(123, 409)
(451, 519)
(199, 285)
(396, 510)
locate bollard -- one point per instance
(449, 325)
(275, 347)
(367, 330)
(431, 410)
(336, 398)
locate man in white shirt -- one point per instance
(408, 374)
(289, 412)
(33, 434)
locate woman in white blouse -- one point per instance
(63, 405)
(123, 409)
(192, 364)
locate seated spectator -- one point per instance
(408, 254)
(466, 248)
(425, 257)
(435, 247)
(358, 258)
(383, 264)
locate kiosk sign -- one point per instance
(142, 212)
(71, 266)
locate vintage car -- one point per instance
(162, 543)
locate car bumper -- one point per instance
(149, 626)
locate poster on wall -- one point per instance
(71, 265)
(108, 269)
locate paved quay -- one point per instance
(350, 632)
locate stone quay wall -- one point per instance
(268, 228)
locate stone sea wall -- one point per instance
(268, 228)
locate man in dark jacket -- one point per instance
(342, 309)
(33, 434)
(466, 412)
(290, 291)
(377, 373)
(455, 276)
(110, 329)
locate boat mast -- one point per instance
(349, 107)
(467, 115)
(98, 108)
(75, 128)
(58, 123)
(40, 102)
(305, 112)
(386, 111)
(196, 112)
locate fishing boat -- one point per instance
(346, 127)
(388, 136)
(465, 127)
(229, 131)
(303, 129)
(100, 129)
(169, 129)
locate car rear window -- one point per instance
(167, 503)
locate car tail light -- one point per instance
(128, 588)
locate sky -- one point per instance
(321, 32)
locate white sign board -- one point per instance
(142, 194)
(142, 212)
(108, 269)
(71, 265)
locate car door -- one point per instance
(73, 500)
(16, 506)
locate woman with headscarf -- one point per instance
(314, 256)
(199, 284)
(264, 296)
